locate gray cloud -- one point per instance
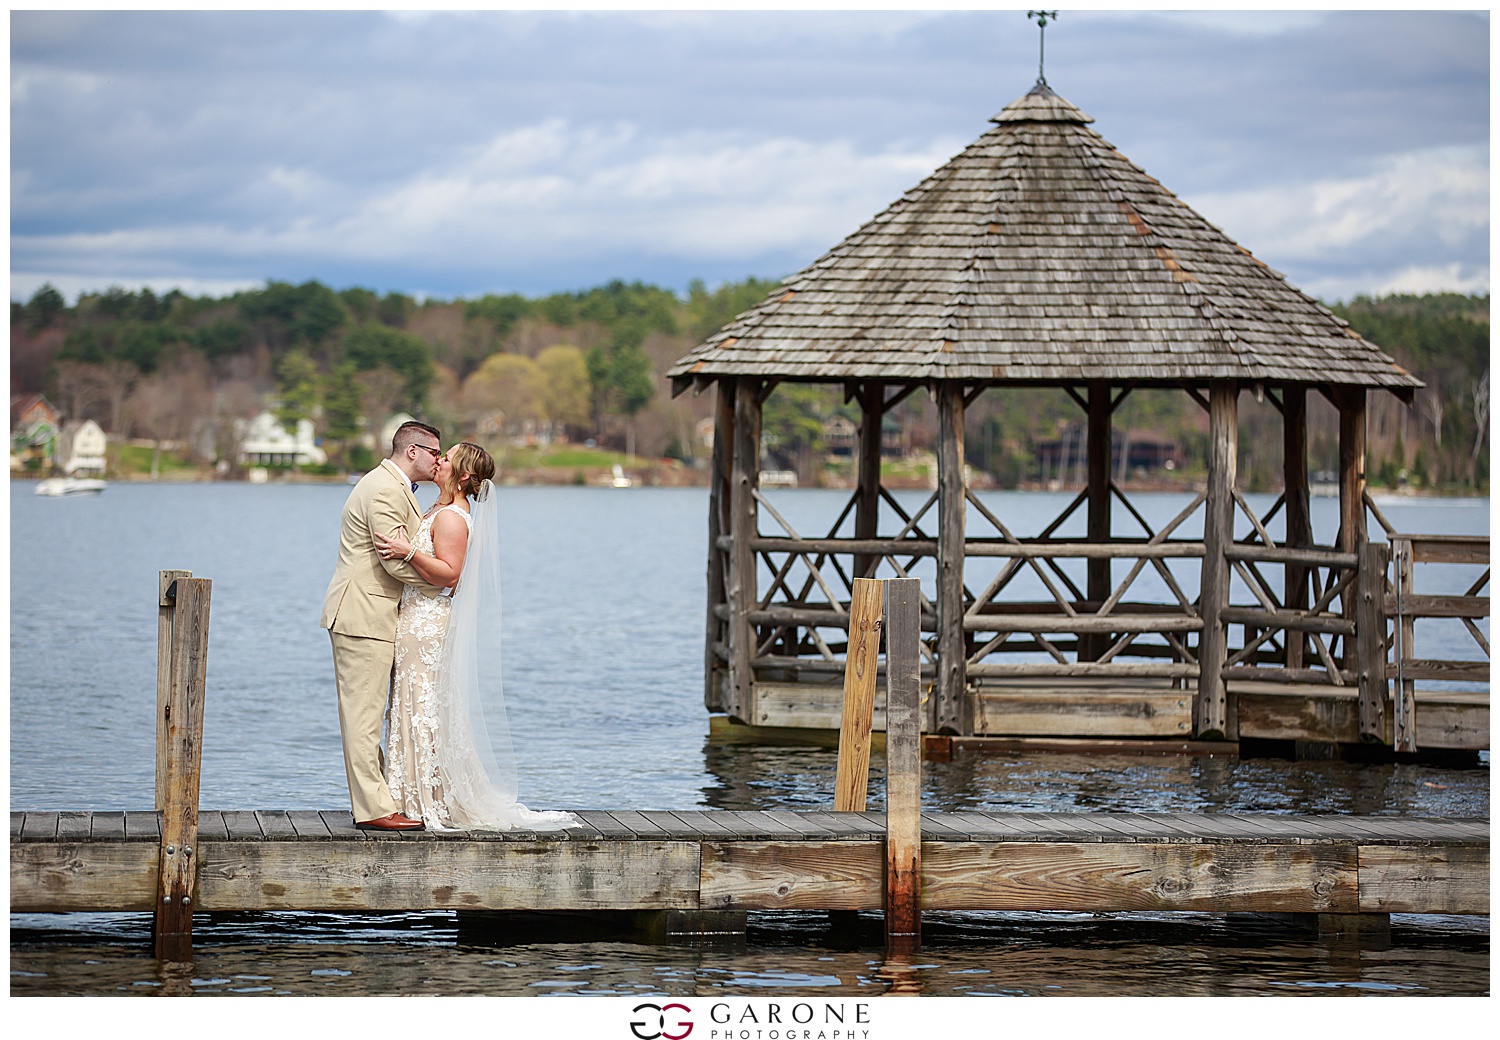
(460, 153)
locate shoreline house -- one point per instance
(82, 449)
(264, 441)
(34, 426)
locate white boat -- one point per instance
(619, 479)
(62, 486)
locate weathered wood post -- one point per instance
(903, 764)
(716, 635)
(182, 720)
(949, 709)
(860, 667)
(164, 610)
(1092, 645)
(744, 523)
(1352, 527)
(1405, 736)
(867, 502)
(1369, 629)
(1210, 708)
(1298, 511)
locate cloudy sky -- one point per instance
(456, 154)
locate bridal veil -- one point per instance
(473, 734)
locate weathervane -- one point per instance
(1041, 64)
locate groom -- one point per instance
(360, 615)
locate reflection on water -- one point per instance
(783, 954)
(751, 777)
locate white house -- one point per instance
(388, 433)
(81, 448)
(265, 442)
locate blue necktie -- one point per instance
(414, 489)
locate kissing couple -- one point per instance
(415, 625)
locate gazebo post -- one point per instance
(744, 521)
(719, 524)
(1099, 585)
(1353, 535)
(1298, 510)
(867, 506)
(948, 711)
(1210, 711)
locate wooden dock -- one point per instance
(707, 868)
(738, 861)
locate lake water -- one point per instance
(603, 631)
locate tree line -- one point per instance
(588, 364)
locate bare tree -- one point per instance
(171, 403)
(1481, 391)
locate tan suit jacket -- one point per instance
(366, 590)
(360, 615)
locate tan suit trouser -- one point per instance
(362, 670)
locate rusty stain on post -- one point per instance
(903, 797)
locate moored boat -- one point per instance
(58, 487)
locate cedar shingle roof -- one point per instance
(1040, 253)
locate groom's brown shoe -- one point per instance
(394, 822)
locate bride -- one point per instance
(439, 765)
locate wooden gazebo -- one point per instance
(1041, 257)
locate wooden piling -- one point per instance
(903, 769)
(164, 611)
(853, 775)
(182, 719)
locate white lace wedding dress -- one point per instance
(441, 765)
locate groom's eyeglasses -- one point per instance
(434, 452)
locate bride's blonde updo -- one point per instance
(472, 466)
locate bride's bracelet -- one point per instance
(409, 554)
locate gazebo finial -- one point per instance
(1041, 64)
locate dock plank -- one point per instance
(40, 826)
(936, 828)
(275, 823)
(107, 826)
(346, 875)
(608, 827)
(844, 826)
(309, 825)
(792, 875)
(16, 820)
(340, 825)
(1068, 827)
(73, 826)
(61, 877)
(242, 826)
(1114, 877)
(142, 826)
(642, 826)
(798, 822)
(1427, 879)
(211, 826)
(702, 822)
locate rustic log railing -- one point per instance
(1289, 611)
(1403, 605)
